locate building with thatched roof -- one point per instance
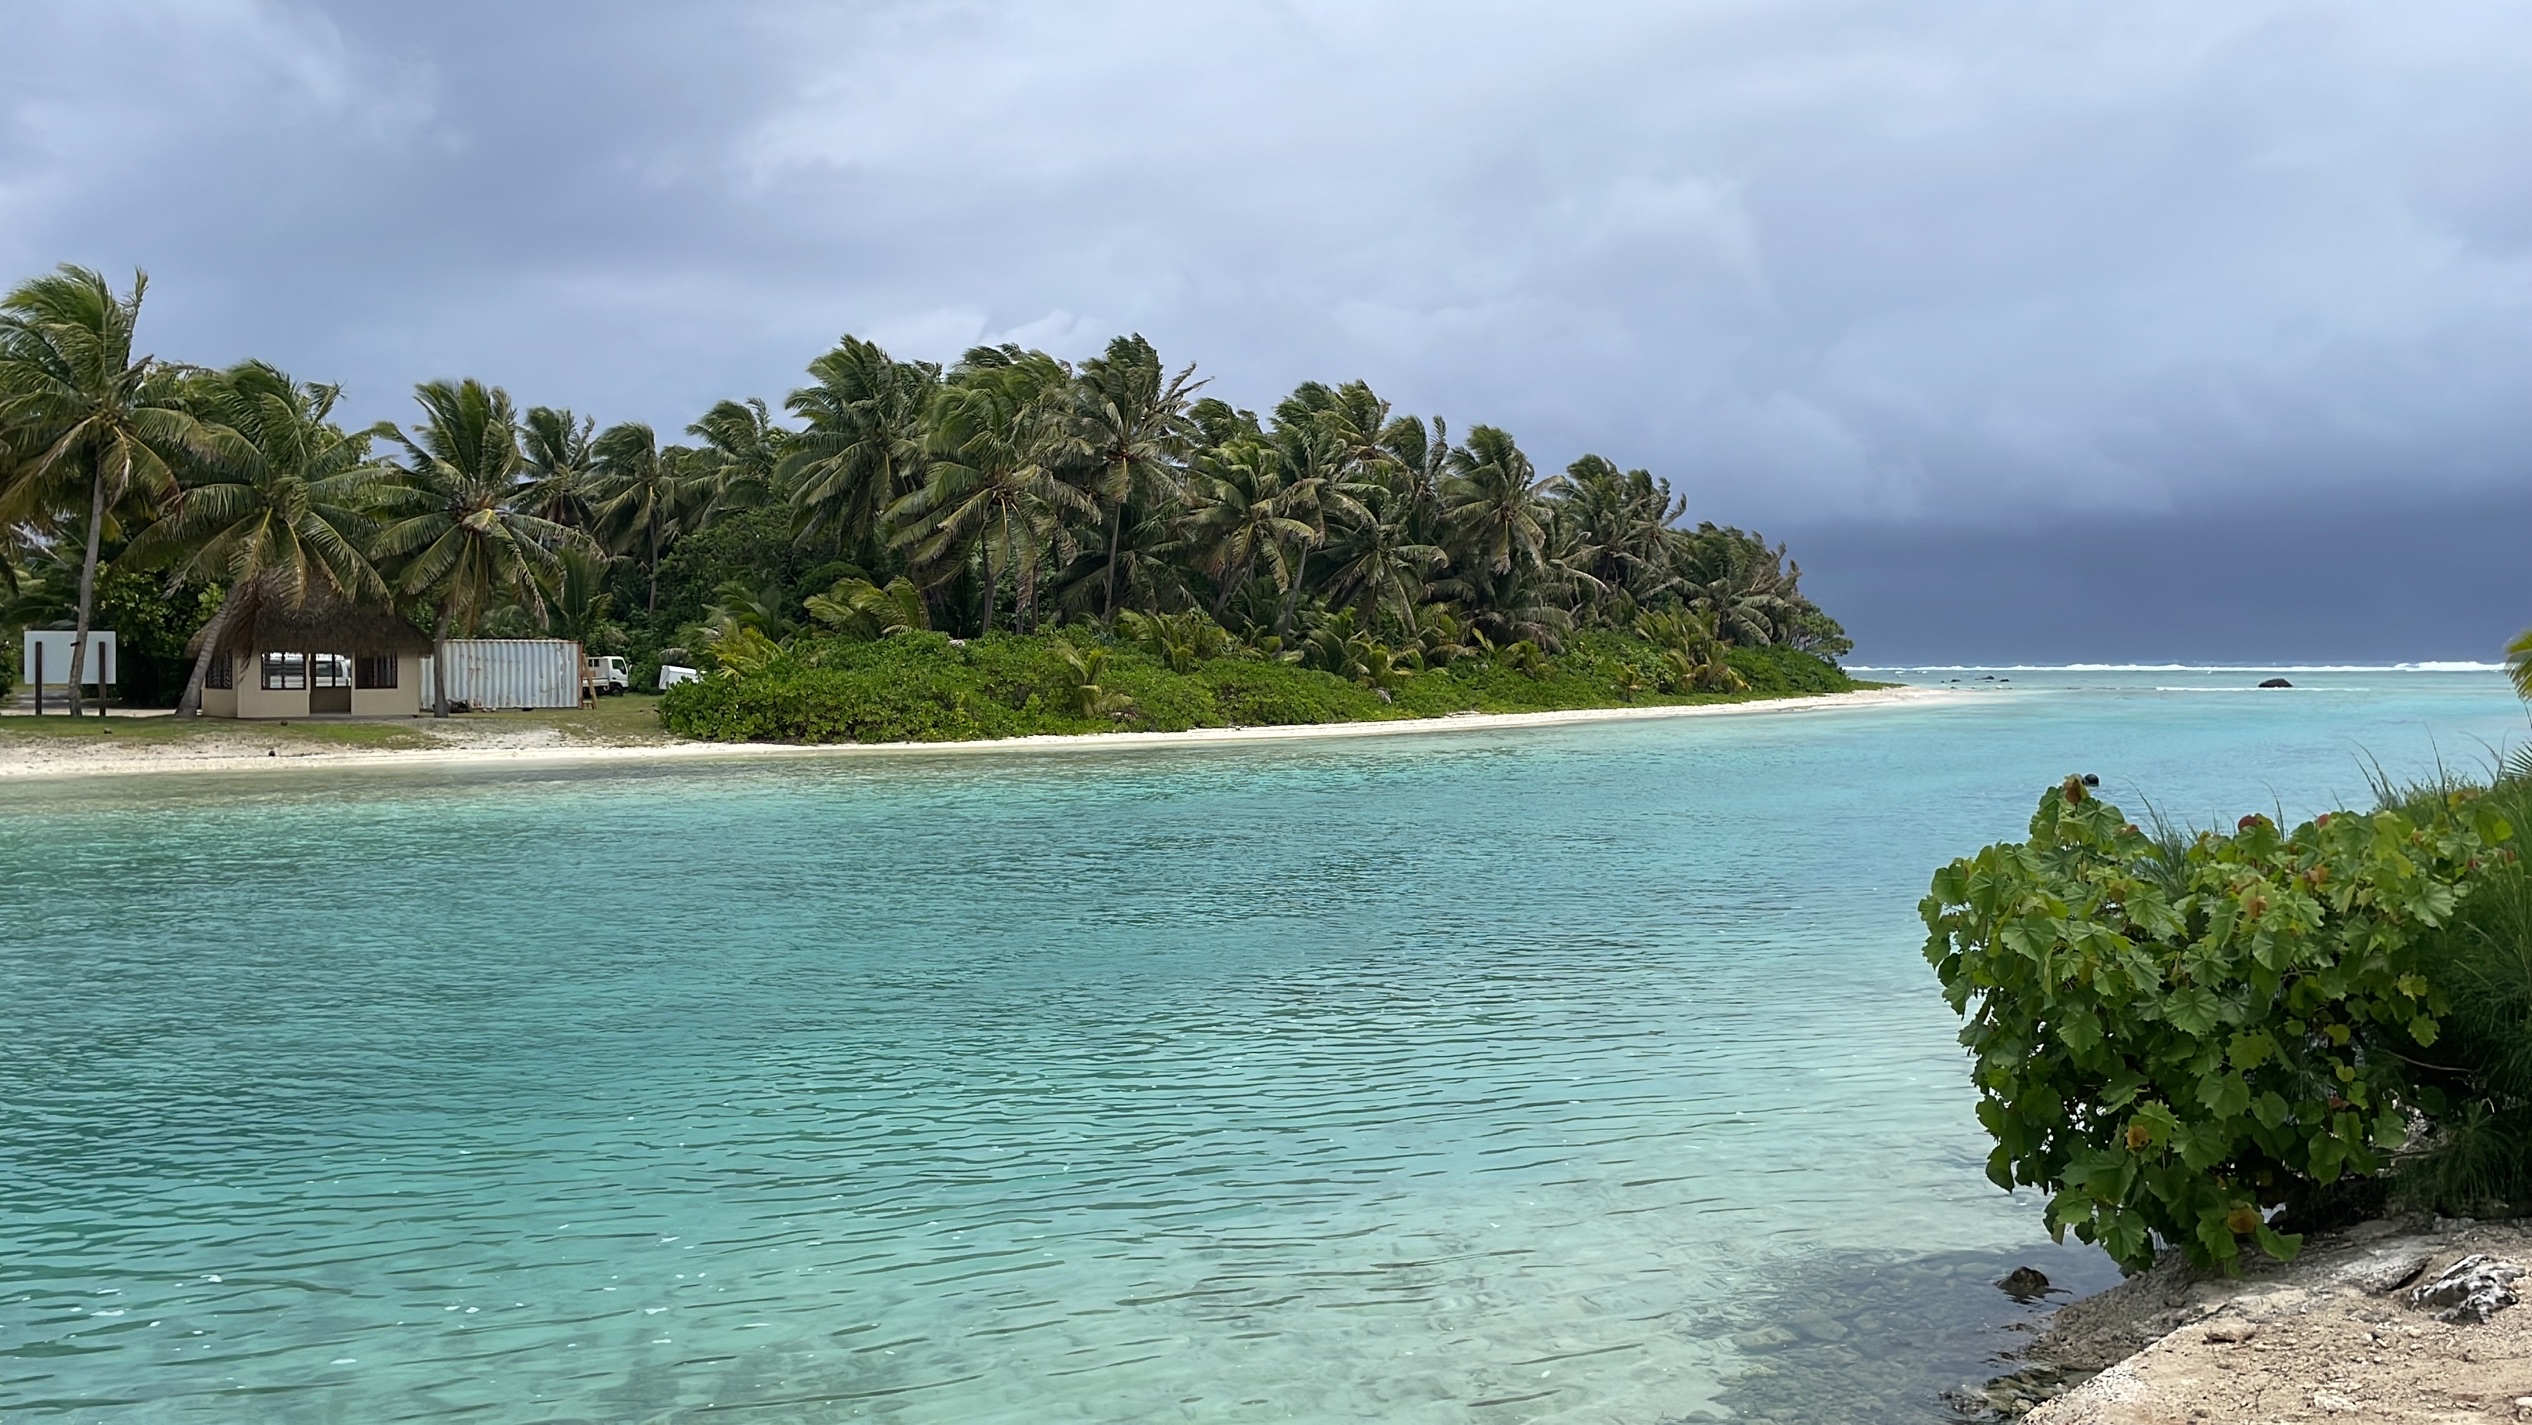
(278, 657)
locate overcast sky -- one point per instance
(2222, 297)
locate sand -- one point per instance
(476, 741)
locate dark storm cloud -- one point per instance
(1888, 264)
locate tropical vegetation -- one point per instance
(2203, 1042)
(1108, 521)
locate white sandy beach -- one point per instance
(475, 742)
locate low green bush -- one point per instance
(2476, 1079)
(2173, 1040)
(922, 687)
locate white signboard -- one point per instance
(45, 660)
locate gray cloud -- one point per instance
(1814, 259)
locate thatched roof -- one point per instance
(321, 622)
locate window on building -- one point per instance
(221, 674)
(332, 670)
(285, 672)
(374, 671)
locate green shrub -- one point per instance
(2172, 1040)
(920, 686)
(2476, 1080)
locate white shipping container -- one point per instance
(507, 673)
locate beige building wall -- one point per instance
(402, 700)
(250, 699)
(254, 700)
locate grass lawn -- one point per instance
(625, 719)
(158, 729)
(632, 718)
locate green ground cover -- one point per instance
(922, 687)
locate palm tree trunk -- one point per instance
(1116, 529)
(190, 705)
(439, 666)
(653, 606)
(88, 593)
(1292, 601)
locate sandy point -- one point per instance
(463, 743)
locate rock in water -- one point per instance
(2023, 1284)
(2472, 1289)
(2276, 683)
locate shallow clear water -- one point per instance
(1471, 1077)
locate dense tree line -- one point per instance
(1012, 490)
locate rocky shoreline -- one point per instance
(2398, 1321)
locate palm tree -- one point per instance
(455, 519)
(554, 445)
(1423, 462)
(1242, 519)
(746, 450)
(644, 495)
(992, 493)
(1376, 557)
(1492, 502)
(862, 447)
(1617, 527)
(283, 519)
(582, 609)
(2519, 663)
(1133, 422)
(1318, 482)
(78, 409)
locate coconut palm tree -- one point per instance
(861, 448)
(1133, 425)
(2519, 663)
(454, 519)
(1318, 484)
(644, 495)
(1422, 461)
(556, 460)
(82, 417)
(745, 448)
(283, 519)
(1617, 527)
(992, 493)
(581, 608)
(1492, 501)
(1242, 519)
(1374, 557)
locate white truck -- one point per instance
(606, 675)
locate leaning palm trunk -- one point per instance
(1292, 602)
(1116, 531)
(190, 705)
(87, 595)
(439, 667)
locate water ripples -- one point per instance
(1477, 1079)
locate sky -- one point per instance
(2041, 331)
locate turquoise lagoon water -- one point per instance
(1586, 1074)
